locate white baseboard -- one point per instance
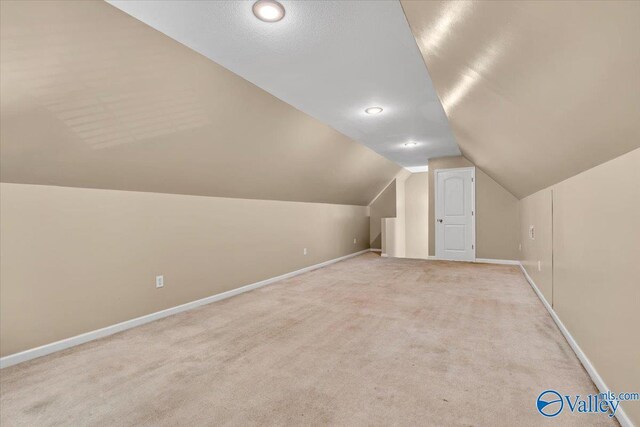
(497, 261)
(480, 260)
(621, 416)
(375, 250)
(53, 347)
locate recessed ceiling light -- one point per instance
(410, 144)
(268, 10)
(373, 110)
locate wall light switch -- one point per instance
(539, 266)
(520, 246)
(355, 240)
(159, 281)
(304, 251)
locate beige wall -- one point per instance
(497, 213)
(74, 260)
(596, 265)
(405, 233)
(417, 215)
(384, 206)
(396, 244)
(535, 211)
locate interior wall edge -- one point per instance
(469, 159)
(580, 172)
(180, 194)
(385, 206)
(381, 191)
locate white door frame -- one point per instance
(473, 204)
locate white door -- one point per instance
(455, 214)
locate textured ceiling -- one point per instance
(91, 97)
(330, 59)
(535, 91)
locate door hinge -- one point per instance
(471, 179)
(471, 213)
(472, 247)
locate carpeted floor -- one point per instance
(368, 341)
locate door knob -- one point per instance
(439, 220)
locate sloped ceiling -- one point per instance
(535, 91)
(91, 97)
(330, 59)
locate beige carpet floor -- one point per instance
(367, 341)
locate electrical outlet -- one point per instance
(159, 281)
(355, 240)
(539, 266)
(532, 232)
(304, 251)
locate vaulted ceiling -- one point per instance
(535, 91)
(92, 97)
(330, 59)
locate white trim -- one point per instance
(383, 255)
(622, 417)
(456, 169)
(417, 169)
(53, 347)
(479, 260)
(375, 250)
(497, 261)
(473, 203)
